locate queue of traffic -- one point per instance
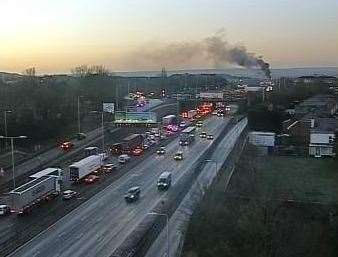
(46, 185)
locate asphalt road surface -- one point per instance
(179, 221)
(101, 224)
(15, 230)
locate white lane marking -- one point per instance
(61, 235)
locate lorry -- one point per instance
(169, 120)
(91, 150)
(84, 167)
(132, 142)
(192, 114)
(57, 172)
(187, 135)
(24, 197)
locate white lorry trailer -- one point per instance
(169, 120)
(23, 198)
(84, 167)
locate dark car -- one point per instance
(133, 194)
(203, 134)
(210, 137)
(161, 150)
(80, 136)
(67, 146)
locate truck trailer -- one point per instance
(187, 136)
(169, 120)
(84, 167)
(131, 142)
(26, 196)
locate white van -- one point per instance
(123, 158)
(4, 210)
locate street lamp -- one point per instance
(5, 114)
(12, 147)
(167, 220)
(102, 127)
(78, 114)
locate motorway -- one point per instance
(15, 230)
(100, 224)
(55, 156)
(179, 221)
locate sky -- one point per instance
(55, 36)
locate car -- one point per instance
(210, 137)
(67, 146)
(4, 210)
(152, 137)
(145, 147)
(214, 113)
(132, 194)
(164, 181)
(80, 136)
(109, 167)
(91, 179)
(137, 151)
(183, 124)
(123, 158)
(68, 194)
(199, 124)
(203, 134)
(161, 150)
(178, 156)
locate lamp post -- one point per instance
(102, 127)
(12, 150)
(167, 220)
(78, 114)
(5, 114)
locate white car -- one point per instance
(123, 158)
(4, 210)
(68, 194)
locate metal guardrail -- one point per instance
(139, 241)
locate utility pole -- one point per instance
(78, 115)
(102, 127)
(5, 114)
(12, 153)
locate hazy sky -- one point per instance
(55, 35)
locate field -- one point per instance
(273, 206)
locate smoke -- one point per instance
(214, 49)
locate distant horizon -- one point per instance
(176, 70)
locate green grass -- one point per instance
(301, 179)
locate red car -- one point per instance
(66, 146)
(137, 151)
(91, 179)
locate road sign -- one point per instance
(108, 107)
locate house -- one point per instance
(264, 141)
(322, 138)
(319, 105)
